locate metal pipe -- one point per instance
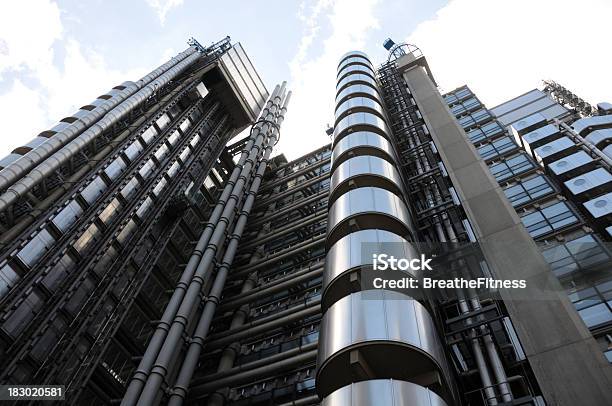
(581, 140)
(289, 251)
(53, 162)
(15, 170)
(496, 364)
(197, 340)
(286, 209)
(258, 363)
(481, 364)
(277, 232)
(157, 340)
(246, 376)
(296, 174)
(264, 324)
(284, 283)
(191, 298)
(296, 189)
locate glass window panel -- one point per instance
(36, 248)
(110, 212)
(115, 168)
(130, 188)
(67, 216)
(94, 190)
(133, 150)
(147, 169)
(8, 277)
(596, 315)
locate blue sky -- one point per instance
(58, 55)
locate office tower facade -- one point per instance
(149, 260)
(552, 163)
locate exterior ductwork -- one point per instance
(389, 392)
(108, 109)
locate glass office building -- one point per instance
(151, 256)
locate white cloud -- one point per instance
(313, 78)
(504, 48)
(162, 7)
(39, 93)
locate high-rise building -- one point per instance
(150, 258)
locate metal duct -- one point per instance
(17, 169)
(54, 161)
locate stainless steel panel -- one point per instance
(587, 124)
(375, 318)
(529, 123)
(376, 315)
(563, 145)
(600, 136)
(588, 181)
(244, 80)
(388, 392)
(362, 140)
(368, 120)
(358, 103)
(539, 136)
(570, 162)
(380, 173)
(600, 206)
(357, 90)
(346, 253)
(367, 201)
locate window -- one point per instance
(548, 219)
(163, 122)
(110, 212)
(36, 248)
(85, 243)
(497, 147)
(129, 189)
(172, 139)
(147, 169)
(67, 216)
(185, 125)
(173, 169)
(528, 190)
(115, 168)
(160, 186)
(144, 208)
(161, 152)
(8, 277)
(148, 135)
(133, 150)
(594, 304)
(126, 233)
(57, 274)
(94, 190)
(580, 254)
(511, 167)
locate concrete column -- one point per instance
(566, 361)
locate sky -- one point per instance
(56, 56)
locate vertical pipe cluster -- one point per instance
(22, 175)
(163, 350)
(377, 344)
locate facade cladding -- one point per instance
(146, 259)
